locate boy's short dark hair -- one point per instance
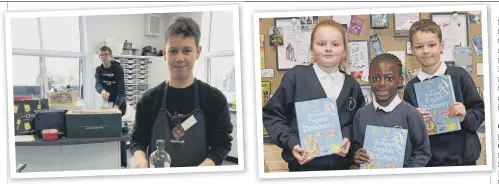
(106, 49)
(387, 57)
(425, 26)
(185, 27)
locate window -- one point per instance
(60, 33)
(220, 60)
(222, 75)
(25, 33)
(26, 79)
(46, 53)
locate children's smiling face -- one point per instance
(384, 78)
(427, 48)
(181, 54)
(328, 48)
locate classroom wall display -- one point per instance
(262, 51)
(454, 28)
(376, 44)
(403, 22)
(477, 44)
(379, 21)
(356, 25)
(295, 48)
(276, 37)
(359, 57)
(408, 48)
(401, 56)
(462, 57)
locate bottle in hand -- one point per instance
(159, 158)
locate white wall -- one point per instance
(121, 28)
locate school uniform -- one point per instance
(397, 114)
(165, 112)
(303, 83)
(459, 147)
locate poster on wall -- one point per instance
(454, 32)
(408, 48)
(262, 51)
(368, 94)
(403, 22)
(309, 22)
(357, 64)
(356, 25)
(477, 44)
(379, 21)
(376, 44)
(474, 17)
(275, 35)
(295, 48)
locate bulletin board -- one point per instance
(389, 43)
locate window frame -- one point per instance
(42, 54)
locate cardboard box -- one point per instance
(93, 123)
(62, 98)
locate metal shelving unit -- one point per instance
(136, 70)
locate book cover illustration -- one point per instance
(356, 25)
(385, 146)
(319, 127)
(436, 96)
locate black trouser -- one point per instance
(123, 143)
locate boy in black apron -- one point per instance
(110, 83)
(191, 116)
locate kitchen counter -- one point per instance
(73, 141)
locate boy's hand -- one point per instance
(300, 155)
(426, 115)
(345, 145)
(458, 109)
(361, 156)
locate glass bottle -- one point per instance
(159, 158)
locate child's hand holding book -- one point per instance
(426, 115)
(459, 110)
(345, 147)
(301, 155)
(361, 156)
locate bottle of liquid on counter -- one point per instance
(159, 158)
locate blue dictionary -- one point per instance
(436, 96)
(319, 126)
(385, 146)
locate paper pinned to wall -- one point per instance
(479, 68)
(267, 73)
(357, 64)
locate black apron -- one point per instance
(194, 148)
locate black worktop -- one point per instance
(73, 141)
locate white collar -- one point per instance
(395, 101)
(321, 74)
(440, 72)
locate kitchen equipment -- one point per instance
(50, 134)
(127, 45)
(136, 52)
(127, 52)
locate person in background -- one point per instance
(388, 110)
(110, 84)
(324, 78)
(453, 148)
(190, 115)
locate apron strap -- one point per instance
(163, 102)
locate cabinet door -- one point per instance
(40, 158)
(95, 156)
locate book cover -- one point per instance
(436, 96)
(319, 126)
(385, 146)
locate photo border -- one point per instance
(366, 11)
(130, 11)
